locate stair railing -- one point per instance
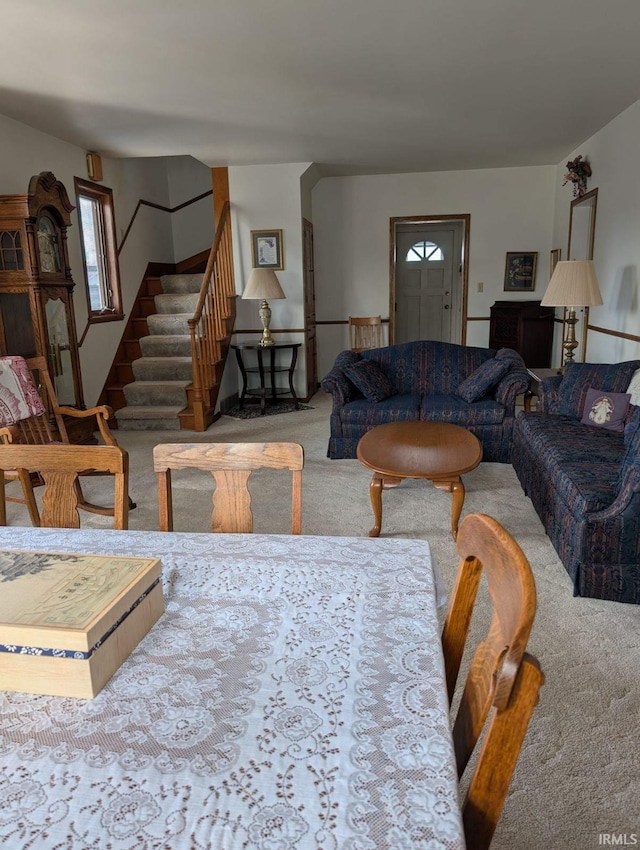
(208, 327)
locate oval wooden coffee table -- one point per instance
(434, 450)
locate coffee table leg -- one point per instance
(379, 483)
(456, 488)
(375, 494)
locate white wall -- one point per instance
(25, 152)
(511, 210)
(268, 197)
(612, 153)
(156, 236)
(308, 181)
(192, 227)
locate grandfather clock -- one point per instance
(36, 287)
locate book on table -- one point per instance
(68, 621)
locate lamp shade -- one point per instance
(573, 284)
(263, 284)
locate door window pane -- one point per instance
(424, 251)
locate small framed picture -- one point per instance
(554, 256)
(266, 249)
(520, 271)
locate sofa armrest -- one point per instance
(514, 383)
(337, 383)
(548, 394)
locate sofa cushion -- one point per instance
(370, 380)
(579, 377)
(483, 379)
(453, 409)
(562, 439)
(585, 487)
(605, 410)
(362, 413)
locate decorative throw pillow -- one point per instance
(372, 383)
(483, 379)
(579, 377)
(605, 410)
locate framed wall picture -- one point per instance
(266, 249)
(520, 271)
(554, 256)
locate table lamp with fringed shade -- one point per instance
(263, 284)
(573, 284)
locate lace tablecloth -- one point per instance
(291, 696)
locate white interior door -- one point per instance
(428, 281)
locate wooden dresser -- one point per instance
(524, 326)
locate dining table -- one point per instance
(291, 696)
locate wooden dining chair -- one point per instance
(231, 465)
(29, 420)
(59, 467)
(503, 681)
(365, 332)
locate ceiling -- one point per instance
(356, 86)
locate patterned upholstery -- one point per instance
(19, 398)
(483, 379)
(579, 377)
(426, 375)
(370, 380)
(584, 483)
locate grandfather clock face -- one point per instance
(48, 245)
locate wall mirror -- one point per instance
(582, 226)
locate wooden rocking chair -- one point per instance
(28, 403)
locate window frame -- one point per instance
(103, 195)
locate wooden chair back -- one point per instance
(40, 430)
(231, 464)
(503, 680)
(365, 332)
(59, 467)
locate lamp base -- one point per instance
(570, 342)
(265, 317)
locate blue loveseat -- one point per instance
(422, 380)
(584, 481)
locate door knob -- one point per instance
(446, 306)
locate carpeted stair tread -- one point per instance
(162, 374)
(156, 392)
(170, 324)
(166, 345)
(170, 303)
(162, 368)
(149, 418)
(181, 283)
(147, 411)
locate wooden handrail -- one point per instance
(208, 326)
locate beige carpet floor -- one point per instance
(578, 774)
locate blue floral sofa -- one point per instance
(423, 380)
(584, 481)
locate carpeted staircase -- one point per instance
(162, 374)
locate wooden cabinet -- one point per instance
(524, 326)
(36, 286)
